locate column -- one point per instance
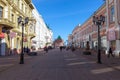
(107, 23)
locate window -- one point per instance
(112, 14)
(1, 12)
(18, 2)
(12, 17)
(22, 6)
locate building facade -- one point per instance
(43, 33)
(113, 24)
(109, 31)
(10, 30)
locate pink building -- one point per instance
(109, 31)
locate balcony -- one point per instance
(7, 23)
(32, 19)
(4, 1)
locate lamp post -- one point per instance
(99, 21)
(23, 23)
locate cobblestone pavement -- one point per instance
(61, 65)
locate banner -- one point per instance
(111, 35)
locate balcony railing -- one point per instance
(7, 22)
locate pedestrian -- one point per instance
(46, 49)
(60, 48)
(27, 50)
(110, 52)
(73, 48)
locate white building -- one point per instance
(43, 33)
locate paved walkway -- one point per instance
(62, 65)
(111, 61)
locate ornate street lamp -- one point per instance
(23, 23)
(99, 21)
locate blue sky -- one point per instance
(64, 15)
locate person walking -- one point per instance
(110, 52)
(60, 48)
(46, 49)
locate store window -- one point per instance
(1, 12)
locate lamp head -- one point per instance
(26, 20)
(102, 18)
(19, 19)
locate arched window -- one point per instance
(1, 11)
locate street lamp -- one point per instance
(99, 21)
(23, 23)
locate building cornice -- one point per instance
(28, 1)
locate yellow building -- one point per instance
(10, 30)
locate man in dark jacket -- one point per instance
(110, 52)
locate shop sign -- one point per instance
(111, 34)
(12, 34)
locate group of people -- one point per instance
(67, 48)
(26, 50)
(110, 52)
(46, 49)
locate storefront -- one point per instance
(111, 37)
(113, 41)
